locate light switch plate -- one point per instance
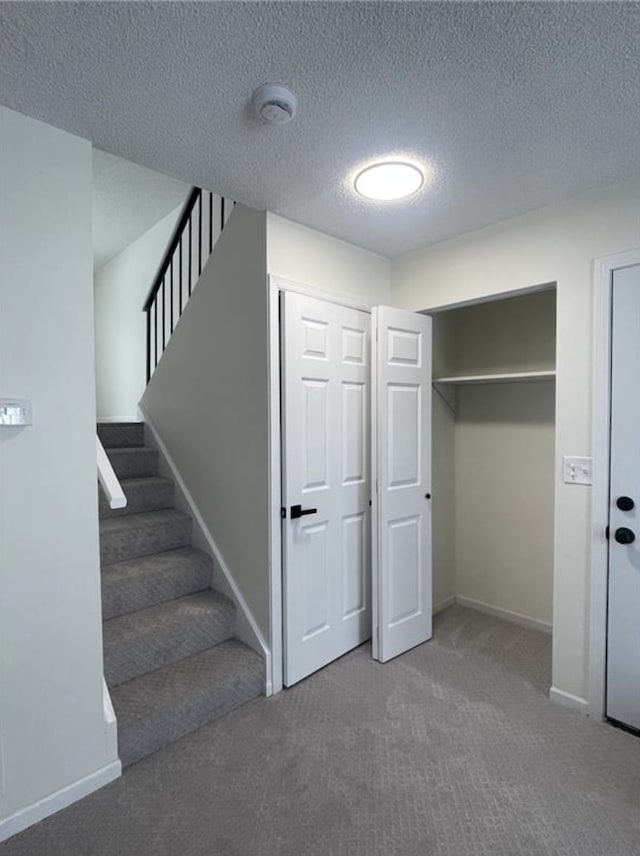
(15, 412)
(576, 470)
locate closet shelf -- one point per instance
(506, 377)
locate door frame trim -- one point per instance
(277, 284)
(604, 268)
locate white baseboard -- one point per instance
(443, 604)
(110, 723)
(573, 702)
(60, 799)
(507, 614)
(118, 420)
(248, 630)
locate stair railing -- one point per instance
(198, 228)
(108, 479)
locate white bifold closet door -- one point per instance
(327, 528)
(331, 557)
(401, 444)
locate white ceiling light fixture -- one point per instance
(389, 180)
(274, 104)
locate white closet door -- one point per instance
(327, 600)
(623, 633)
(401, 469)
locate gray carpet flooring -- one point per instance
(450, 750)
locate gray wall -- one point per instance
(51, 712)
(208, 400)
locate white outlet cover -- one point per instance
(576, 470)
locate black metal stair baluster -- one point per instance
(190, 253)
(171, 287)
(155, 333)
(180, 278)
(210, 223)
(148, 314)
(164, 315)
(200, 236)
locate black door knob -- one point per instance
(624, 536)
(625, 503)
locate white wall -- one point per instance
(513, 335)
(443, 499)
(208, 400)
(503, 488)
(121, 287)
(494, 460)
(312, 258)
(51, 710)
(554, 244)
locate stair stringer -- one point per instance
(247, 629)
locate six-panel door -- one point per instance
(401, 422)
(623, 628)
(326, 436)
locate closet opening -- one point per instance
(493, 470)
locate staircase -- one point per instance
(171, 661)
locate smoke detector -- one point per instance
(274, 104)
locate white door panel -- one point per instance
(623, 633)
(327, 565)
(401, 431)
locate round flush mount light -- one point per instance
(389, 180)
(274, 104)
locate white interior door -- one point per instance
(401, 443)
(623, 631)
(326, 484)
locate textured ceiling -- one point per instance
(514, 105)
(127, 200)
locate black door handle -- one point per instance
(298, 511)
(625, 503)
(624, 535)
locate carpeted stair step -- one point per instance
(146, 494)
(150, 580)
(143, 641)
(131, 462)
(114, 434)
(162, 706)
(134, 535)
